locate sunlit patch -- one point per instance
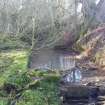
(79, 8)
(97, 1)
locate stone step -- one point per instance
(99, 101)
(101, 98)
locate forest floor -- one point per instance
(19, 86)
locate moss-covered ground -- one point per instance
(20, 86)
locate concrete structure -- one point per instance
(52, 59)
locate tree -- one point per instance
(51, 20)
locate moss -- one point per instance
(44, 92)
(3, 102)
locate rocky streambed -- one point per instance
(88, 90)
(82, 95)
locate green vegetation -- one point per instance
(19, 86)
(8, 42)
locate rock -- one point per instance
(79, 91)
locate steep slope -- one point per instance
(93, 44)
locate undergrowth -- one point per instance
(19, 86)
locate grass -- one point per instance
(18, 64)
(43, 92)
